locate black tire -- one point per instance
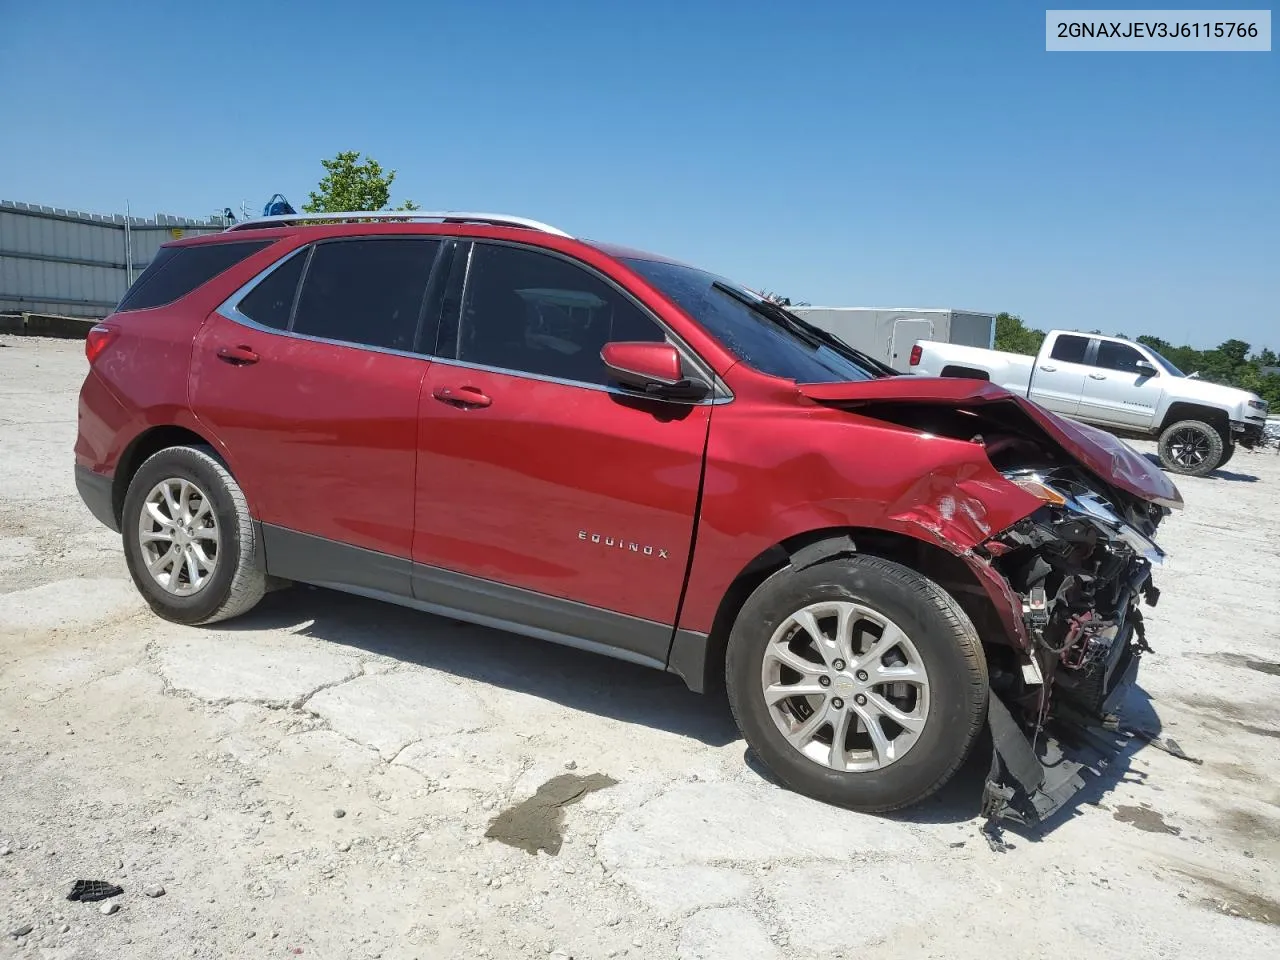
(1228, 451)
(948, 646)
(237, 581)
(1192, 448)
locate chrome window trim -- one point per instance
(713, 400)
(230, 310)
(230, 307)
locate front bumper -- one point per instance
(96, 492)
(1248, 433)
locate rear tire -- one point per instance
(943, 709)
(1192, 448)
(189, 539)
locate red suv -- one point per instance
(483, 417)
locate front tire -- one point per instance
(189, 539)
(857, 681)
(1192, 448)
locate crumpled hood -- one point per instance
(1107, 457)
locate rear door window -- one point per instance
(366, 291)
(176, 271)
(1069, 348)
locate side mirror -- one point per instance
(1147, 368)
(652, 369)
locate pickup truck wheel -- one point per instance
(189, 540)
(1192, 448)
(1228, 450)
(857, 681)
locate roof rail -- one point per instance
(444, 216)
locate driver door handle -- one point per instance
(1097, 376)
(1048, 369)
(462, 396)
(237, 356)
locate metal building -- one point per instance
(78, 264)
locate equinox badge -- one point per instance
(621, 544)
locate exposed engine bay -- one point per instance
(1082, 565)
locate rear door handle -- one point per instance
(239, 356)
(462, 396)
(1097, 376)
(1048, 369)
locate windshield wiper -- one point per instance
(813, 335)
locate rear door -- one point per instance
(905, 334)
(545, 495)
(309, 377)
(1116, 391)
(1057, 381)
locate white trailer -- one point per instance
(889, 333)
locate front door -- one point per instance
(544, 494)
(1116, 391)
(317, 404)
(1057, 379)
(905, 334)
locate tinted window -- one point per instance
(1117, 356)
(539, 314)
(753, 338)
(176, 271)
(366, 291)
(1069, 349)
(271, 301)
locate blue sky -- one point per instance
(923, 154)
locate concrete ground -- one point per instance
(317, 778)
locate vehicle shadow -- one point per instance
(573, 678)
(1217, 474)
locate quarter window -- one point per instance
(1117, 356)
(535, 313)
(1069, 349)
(271, 301)
(176, 271)
(367, 291)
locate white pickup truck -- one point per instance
(1125, 387)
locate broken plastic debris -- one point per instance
(87, 890)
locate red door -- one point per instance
(322, 436)
(313, 391)
(568, 490)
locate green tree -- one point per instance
(1013, 336)
(350, 184)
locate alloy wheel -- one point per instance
(178, 536)
(845, 686)
(1189, 448)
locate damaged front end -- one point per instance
(1063, 630)
(1080, 566)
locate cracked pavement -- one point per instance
(214, 761)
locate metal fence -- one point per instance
(78, 264)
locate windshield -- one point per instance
(769, 345)
(1168, 367)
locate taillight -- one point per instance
(97, 340)
(915, 355)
